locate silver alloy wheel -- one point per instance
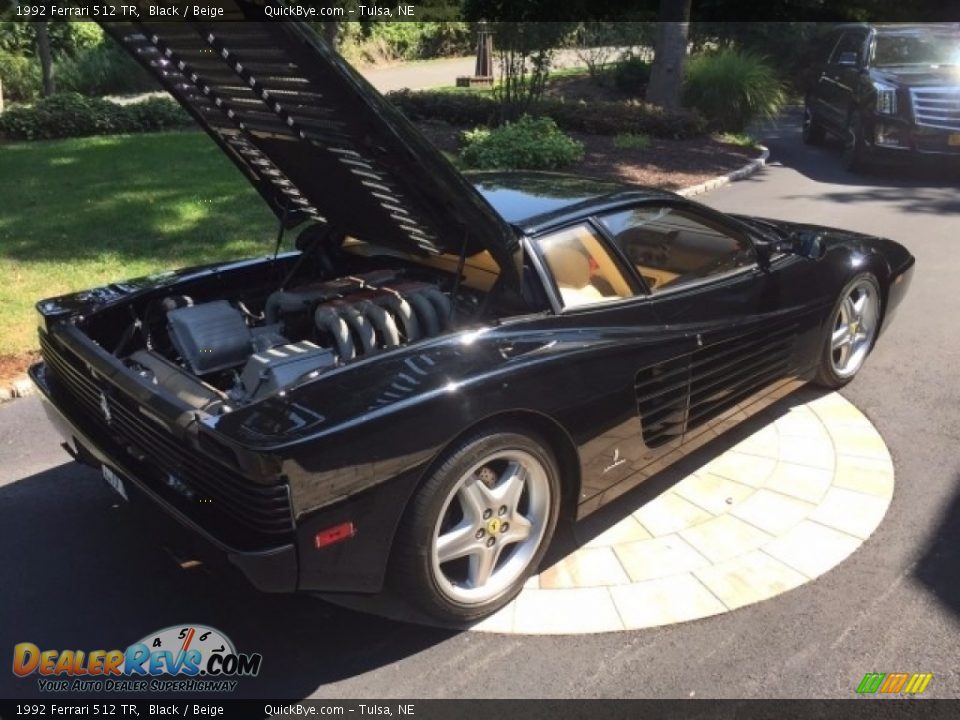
(854, 329)
(490, 527)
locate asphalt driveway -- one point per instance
(77, 572)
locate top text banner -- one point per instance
(182, 10)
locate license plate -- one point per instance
(114, 481)
(953, 139)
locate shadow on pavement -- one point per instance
(936, 179)
(937, 569)
(79, 573)
(609, 515)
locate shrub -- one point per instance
(379, 42)
(632, 141)
(20, 76)
(631, 117)
(73, 115)
(529, 143)
(631, 75)
(456, 108)
(732, 88)
(599, 118)
(103, 70)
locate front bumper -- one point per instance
(891, 138)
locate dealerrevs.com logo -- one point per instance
(180, 658)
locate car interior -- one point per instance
(582, 268)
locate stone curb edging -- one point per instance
(17, 388)
(23, 387)
(713, 183)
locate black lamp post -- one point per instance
(483, 70)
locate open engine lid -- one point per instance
(316, 139)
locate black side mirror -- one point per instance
(848, 59)
(804, 243)
(809, 244)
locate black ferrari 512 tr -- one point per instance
(446, 365)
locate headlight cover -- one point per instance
(886, 98)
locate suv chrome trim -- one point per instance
(936, 107)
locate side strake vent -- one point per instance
(685, 392)
(724, 374)
(662, 400)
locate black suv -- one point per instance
(886, 90)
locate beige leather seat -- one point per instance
(571, 270)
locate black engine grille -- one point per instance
(237, 510)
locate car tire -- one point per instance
(854, 154)
(478, 527)
(813, 133)
(851, 332)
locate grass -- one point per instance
(632, 141)
(740, 139)
(83, 212)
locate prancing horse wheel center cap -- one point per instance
(493, 527)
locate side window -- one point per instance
(671, 246)
(850, 42)
(823, 47)
(582, 267)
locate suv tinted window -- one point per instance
(849, 42)
(672, 246)
(921, 48)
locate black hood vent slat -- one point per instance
(295, 117)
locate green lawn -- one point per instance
(83, 212)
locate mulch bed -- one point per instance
(13, 366)
(583, 87)
(668, 164)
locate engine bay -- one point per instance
(220, 354)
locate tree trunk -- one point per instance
(670, 52)
(46, 59)
(331, 28)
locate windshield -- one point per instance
(924, 48)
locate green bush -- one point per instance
(732, 88)
(103, 70)
(529, 143)
(66, 38)
(598, 118)
(73, 115)
(456, 108)
(20, 76)
(379, 42)
(631, 141)
(631, 75)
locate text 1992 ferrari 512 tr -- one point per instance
(446, 365)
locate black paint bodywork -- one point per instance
(354, 444)
(642, 380)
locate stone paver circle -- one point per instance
(775, 511)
